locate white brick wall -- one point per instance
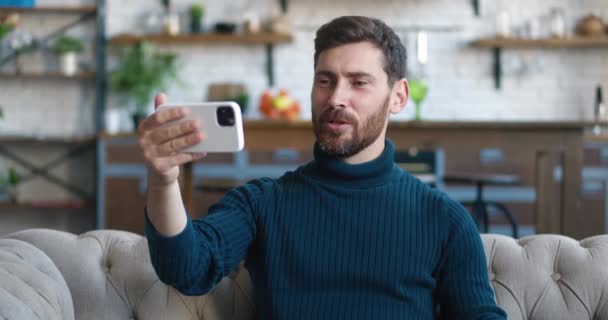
(558, 84)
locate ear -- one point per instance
(401, 91)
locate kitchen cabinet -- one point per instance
(536, 152)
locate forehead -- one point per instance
(353, 57)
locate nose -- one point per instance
(340, 95)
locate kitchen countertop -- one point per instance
(499, 125)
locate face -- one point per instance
(351, 99)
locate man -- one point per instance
(347, 236)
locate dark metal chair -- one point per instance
(426, 165)
(480, 205)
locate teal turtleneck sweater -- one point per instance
(337, 241)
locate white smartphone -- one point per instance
(221, 123)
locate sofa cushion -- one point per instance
(110, 276)
(549, 276)
(32, 287)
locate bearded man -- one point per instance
(349, 235)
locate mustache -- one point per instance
(336, 115)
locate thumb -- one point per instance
(159, 99)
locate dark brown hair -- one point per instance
(353, 29)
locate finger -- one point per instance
(164, 134)
(198, 155)
(161, 117)
(159, 99)
(175, 145)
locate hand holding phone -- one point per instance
(221, 125)
(161, 142)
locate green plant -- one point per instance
(8, 24)
(5, 29)
(141, 71)
(196, 12)
(13, 177)
(11, 180)
(67, 44)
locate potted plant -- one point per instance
(67, 48)
(196, 16)
(140, 73)
(9, 184)
(17, 41)
(8, 24)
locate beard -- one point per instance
(363, 134)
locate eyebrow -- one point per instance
(354, 74)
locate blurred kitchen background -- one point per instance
(511, 90)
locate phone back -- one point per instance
(221, 123)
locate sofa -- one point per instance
(106, 274)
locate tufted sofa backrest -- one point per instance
(549, 276)
(110, 277)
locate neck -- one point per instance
(370, 152)
(336, 171)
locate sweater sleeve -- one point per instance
(464, 290)
(208, 249)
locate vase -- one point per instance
(137, 118)
(18, 64)
(196, 27)
(418, 112)
(171, 24)
(68, 63)
(112, 121)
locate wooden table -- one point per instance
(550, 144)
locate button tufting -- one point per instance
(556, 276)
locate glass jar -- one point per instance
(503, 25)
(557, 23)
(171, 23)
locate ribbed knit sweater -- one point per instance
(332, 240)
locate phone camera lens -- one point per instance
(225, 116)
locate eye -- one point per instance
(360, 83)
(323, 82)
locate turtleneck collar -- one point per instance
(334, 170)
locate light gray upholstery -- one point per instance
(31, 287)
(110, 277)
(549, 276)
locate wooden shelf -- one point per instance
(47, 205)
(49, 9)
(48, 75)
(239, 38)
(575, 42)
(268, 39)
(27, 139)
(498, 44)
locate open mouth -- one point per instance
(337, 122)
(337, 125)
